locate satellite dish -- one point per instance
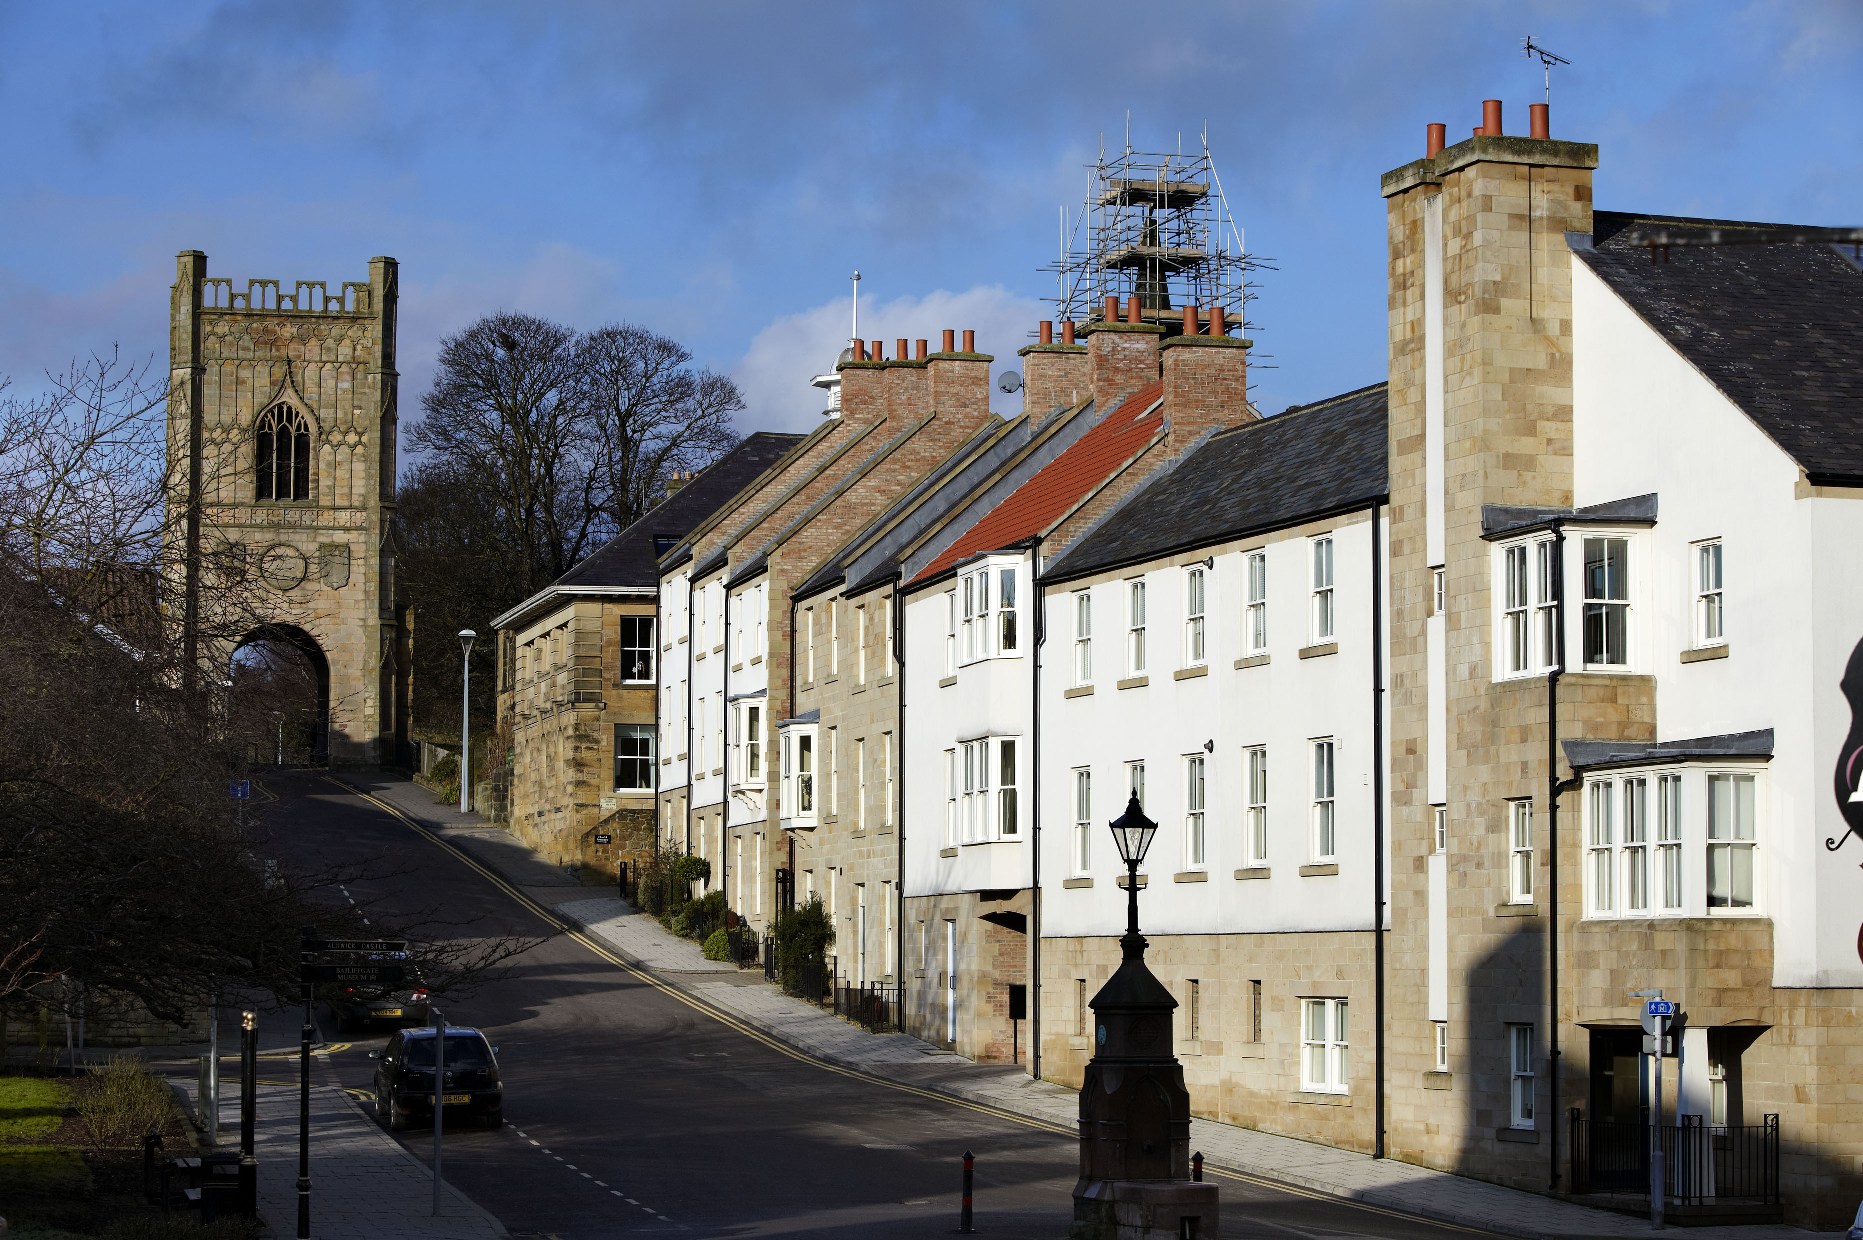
(1010, 381)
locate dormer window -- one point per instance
(284, 454)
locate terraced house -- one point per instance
(1475, 704)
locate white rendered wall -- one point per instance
(1283, 705)
(1645, 420)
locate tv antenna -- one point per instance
(1547, 61)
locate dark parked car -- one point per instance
(358, 1007)
(404, 1078)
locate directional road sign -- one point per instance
(1660, 1007)
(356, 974)
(354, 945)
(241, 789)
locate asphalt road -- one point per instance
(629, 1112)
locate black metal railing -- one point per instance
(874, 1006)
(1703, 1164)
(744, 945)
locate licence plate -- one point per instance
(452, 1100)
(388, 1011)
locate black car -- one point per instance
(358, 1007)
(404, 1078)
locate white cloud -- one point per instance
(775, 370)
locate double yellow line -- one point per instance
(757, 1035)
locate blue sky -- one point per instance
(714, 171)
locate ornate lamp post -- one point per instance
(466, 638)
(248, 1109)
(1134, 1110)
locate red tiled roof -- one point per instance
(1061, 483)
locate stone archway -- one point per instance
(279, 697)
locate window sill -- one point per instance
(1191, 673)
(1132, 682)
(1438, 1080)
(1519, 1136)
(1144, 880)
(1254, 660)
(1252, 871)
(700, 655)
(718, 649)
(1075, 884)
(1079, 691)
(717, 770)
(1319, 870)
(1191, 876)
(947, 852)
(1319, 1098)
(737, 667)
(860, 686)
(1516, 910)
(947, 682)
(1704, 653)
(1319, 650)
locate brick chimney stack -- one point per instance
(1205, 379)
(1122, 356)
(1054, 374)
(960, 379)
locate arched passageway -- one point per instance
(279, 704)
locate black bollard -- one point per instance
(1196, 1167)
(964, 1213)
(150, 1140)
(248, 1111)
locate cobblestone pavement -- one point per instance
(745, 997)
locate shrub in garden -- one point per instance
(801, 933)
(119, 1100)
(718, 945)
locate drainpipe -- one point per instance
(724, 711)
(692, 676)
(1038, 633)
(1554, 787)
(899, 807)
(1377, 829)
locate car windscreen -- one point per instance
(465, 1052)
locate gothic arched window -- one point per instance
(284, 454)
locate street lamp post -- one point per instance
(466, 638)
(248, 1110)
(1135, 1175)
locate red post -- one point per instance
(964, 1225)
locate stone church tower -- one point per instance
(281, 439)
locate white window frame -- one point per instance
(860, 783)
(1006, 630)
(950, 798)
(1324, 623)
(1710, 600)
(1672, 875)
(759, 637)
(1196, 601)
(1439, 593)
(1439, 1037)
(860, 645)
(1324, 1046)
(1601, 847)
(1606, 606)
(1135, 781)
(1083, 637)
(641, 669)
(1727, 817)
(1196, 805)
(886, 779)
(1082, 852)
(751, 771)
(830, 791)
(1255, 806)
(834, 638)
(1520, 858)
(808, 645)
(1525, 598)
(1520, 1077)
(1439, 828)
(990, 792)
(1255, 612)
(1634, 844)
(989, 620)
(800, 796)
(889, 664)
(950, 632)
(1323, 841)
(647, 758)
(1135, 626)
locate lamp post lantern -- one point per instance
(466, 638)
(1135, 1176)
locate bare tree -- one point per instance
(649, 413)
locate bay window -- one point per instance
(988, 800)
(797, 758)
(1644, 836)
(1527, 643)
(1607, 602)
(1730, 841)
(988, 620)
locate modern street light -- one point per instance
(466, 638)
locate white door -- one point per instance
(950, 982)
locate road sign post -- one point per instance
(1657, 1013)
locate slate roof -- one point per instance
(1300, 464)
(630, 557)
(1585, 755)
(1501, 520)
(1062, 483)
(1775, 327)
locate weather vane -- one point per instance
(1547, 59)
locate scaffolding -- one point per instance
(1157, 226)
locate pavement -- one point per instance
(386, 1186)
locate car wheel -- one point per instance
(397, 1122)
(381, 1108)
